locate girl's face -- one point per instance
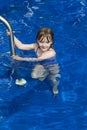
(44, 44)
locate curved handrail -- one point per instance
(13, 52)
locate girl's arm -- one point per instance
(44, 56)
(22, 46)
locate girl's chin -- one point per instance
(44, 50)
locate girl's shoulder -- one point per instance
(51, 49)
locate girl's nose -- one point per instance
(44, 44)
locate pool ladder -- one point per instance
(12, 48)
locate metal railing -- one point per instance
(12, 48)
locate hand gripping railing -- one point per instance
(12, 48)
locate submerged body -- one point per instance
(47, 65)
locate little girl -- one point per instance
(46, 56)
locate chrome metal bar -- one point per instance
(12, 48)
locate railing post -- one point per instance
(12, 48)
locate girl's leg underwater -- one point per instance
(55, 86)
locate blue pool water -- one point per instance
(33, 107)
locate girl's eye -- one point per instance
(42, 41)
(48, 42)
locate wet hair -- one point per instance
(45, 32)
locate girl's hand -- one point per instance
(8, 33)
(16, 57)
